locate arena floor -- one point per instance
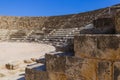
(17, 52)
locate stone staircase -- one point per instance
(4, 34)
(34, 35)
(86, 64)
(40, 67)
(62, 35)
(96, 57)
(17, 35)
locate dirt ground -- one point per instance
(17, 52)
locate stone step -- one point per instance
(37, 66)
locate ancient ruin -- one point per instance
(96, 48)
(89, 43)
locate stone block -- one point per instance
(97, 46)
(55, 63)
(117, 22)
(85, 46)
(104, 71)
(74, 68)
(108, 47)
(80, 69)
(116, 71)
(32, 74)
(29, 74)
(104, 22)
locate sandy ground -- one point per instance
(18, 52)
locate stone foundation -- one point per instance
(75, 68)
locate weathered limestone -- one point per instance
(37, 73)
(55, 63)
(32, 74)
(74, 68)
(117, 22)
(97, 57)
(104, 49)
(80, 69)
(116, 71)
(101, 26)
(104, 70)
(104, 22)
(28, 23)
(57, 76)
(97, 46)
(28, 61)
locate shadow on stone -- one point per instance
(37, 67)
(22, 78)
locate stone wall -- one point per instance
(96, 58)
(104, 49)
(97, 46)
(36, 75)
(75, 68)
(33, 74)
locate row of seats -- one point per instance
(61, 35)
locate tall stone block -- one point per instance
(55, 63)
(104, 71)
(117, 22)
(80, 69)
(108, 47)
(32, 74)
(85, 46)
(116, 74)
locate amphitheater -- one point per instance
(83, 46)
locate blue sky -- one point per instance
(50, 7)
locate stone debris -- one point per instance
(28, 61)
(33, 59)
(12, 66)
